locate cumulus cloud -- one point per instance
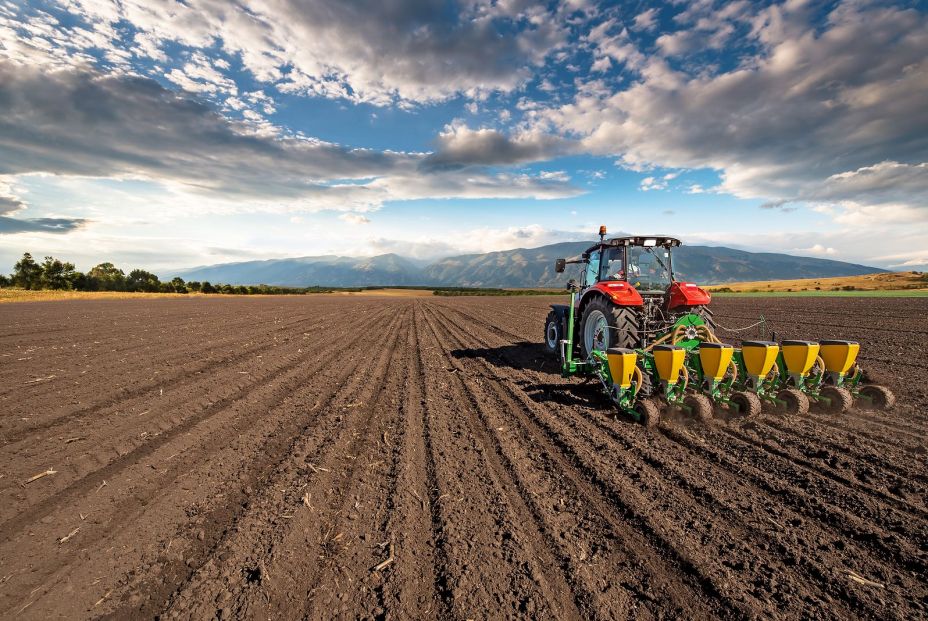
(816, 249)
(459, 146)
(83, 123)
(646, 20)
(835, 112)
(378, 52)
(355, 218)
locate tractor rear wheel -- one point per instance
(747, 403)
(649, 414)
(880, 397)
(606, 325)
(553, 332)
(700, 407)
(840, 399)
(796, 401)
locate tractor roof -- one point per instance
(637, 240)
(644, 240)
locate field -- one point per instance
(904, 283)
(420, 457)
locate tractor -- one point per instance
(650, 341)
(627, 295)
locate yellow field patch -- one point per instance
(865, 282)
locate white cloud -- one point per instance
(136, 129)
(458, 145)
(646, 20)
(355, 218)
(830, 114)
(816, 249)
(378, 52)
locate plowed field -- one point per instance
(318, 457)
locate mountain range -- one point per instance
(522, 267)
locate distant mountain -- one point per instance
(522, 267)
(327, 271)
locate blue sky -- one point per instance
(164, 135)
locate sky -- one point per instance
(164, 134)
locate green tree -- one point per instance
(193, 285)
(106, 277)
(5, 281)
(56, 274)
(207, 288)
(178, 284)
(140, 280)
(27, 273)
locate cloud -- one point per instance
(355, 218)
(39, 225)
(459, 146)
(10, 204)
(80, 122)
(655, 183)
(646, 20)
(821, 112)
(83, 123)
(378, 52)
(816, 249)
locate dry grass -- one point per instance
(22, 295)
(892, 281)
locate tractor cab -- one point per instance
(642, 262)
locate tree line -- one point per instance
(53, 273)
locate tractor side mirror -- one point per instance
(560, 265)
(572, 285)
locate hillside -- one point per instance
(522, 267)
(327, 270)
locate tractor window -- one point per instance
(592, 269)
(649, 269)
(613, 267)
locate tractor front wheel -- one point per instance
(553, 332)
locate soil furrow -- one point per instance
(521, 526)
(126, 510)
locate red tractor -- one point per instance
(627, 296)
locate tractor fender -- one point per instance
(560, 310)
(618, 292)
(683, 294)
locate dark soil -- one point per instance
(319, 457)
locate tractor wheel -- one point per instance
(881, 398)
(700, 406)
(553, 333)
(649, 414)
(840, 399)
(748, 403)
(796, 401)
(606, 325)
